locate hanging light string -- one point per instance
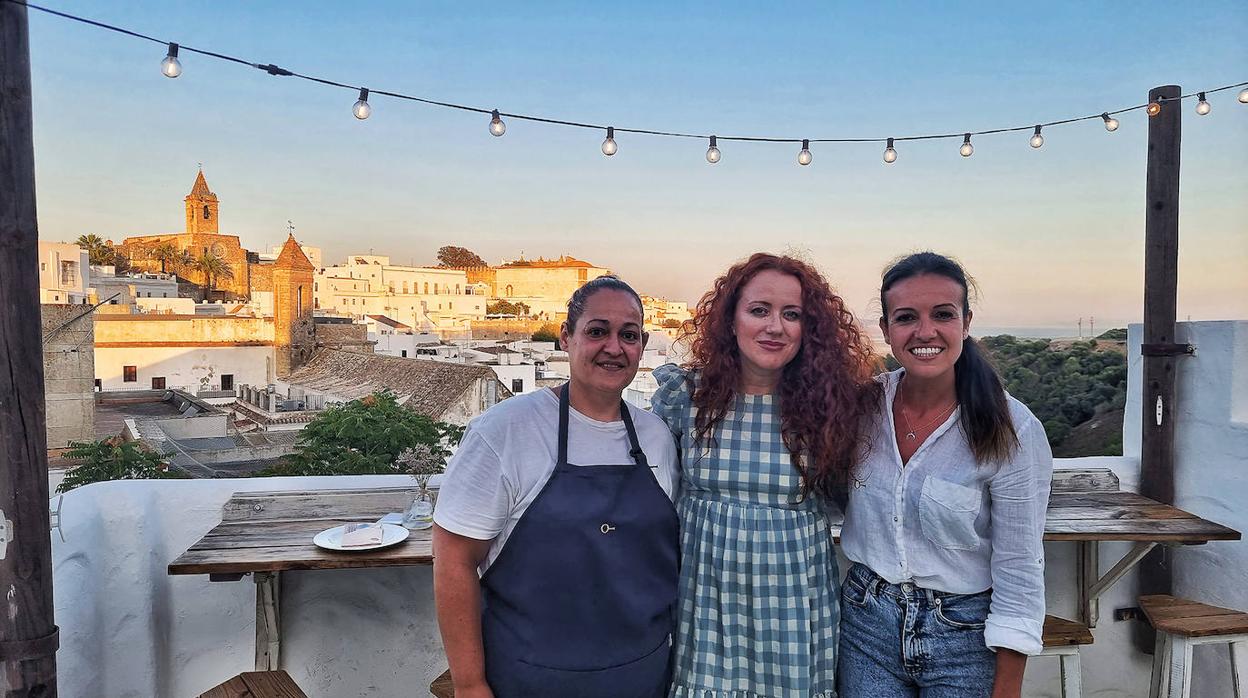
(495, 114)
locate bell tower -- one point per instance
(201, 208)
(294, 331)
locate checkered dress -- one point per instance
(759, 589)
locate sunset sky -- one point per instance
(1051, 234)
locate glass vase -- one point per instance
(419, 514)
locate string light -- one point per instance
(360, 108)
(804, 157)
(1036, 139)
(966, 149)
(609, 146)
(890, 153)
(497, 127)
(712, 153)
(171, 67)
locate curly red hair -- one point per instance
(825, 394)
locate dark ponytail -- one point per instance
(985, 411)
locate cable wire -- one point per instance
(273, 69)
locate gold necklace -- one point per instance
(910, 433)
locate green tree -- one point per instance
(213, 268)
(452, 256)
(548, 332)
(165, 252)
(98, 252)
(110, 459)
(367, 436)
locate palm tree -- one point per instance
(97, 250)
(184, 260)
(165, 252)
(213, 268)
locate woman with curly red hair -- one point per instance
(769, 413)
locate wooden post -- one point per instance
(1160, 352)
(28, 636)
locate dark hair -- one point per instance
(580, 297)
(985, 410)
(825, 394)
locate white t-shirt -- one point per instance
(509, 452)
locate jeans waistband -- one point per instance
(905, 591)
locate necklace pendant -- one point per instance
(910, 436)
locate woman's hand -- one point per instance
(457, 596)
(1009, 679)
(480, 690)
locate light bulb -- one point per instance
(1111, 124)
(1243, 96)
(361, 109)
(1202, 107)
(497, 127)
(609, 146)
(804, 157)
(170, 66)
(1154, 108)
(712, 153)
(966, 149)
(890, 154)
(1036, 139)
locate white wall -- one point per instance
(526, 373)
(128, 629)
(185, 368)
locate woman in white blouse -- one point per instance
(946, 514)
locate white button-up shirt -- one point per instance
(944, 522)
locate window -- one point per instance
(403, 352)
(435, 288)
(450, 306)
(158, 382)
(227, 381)
(130, 374)
(426, 287)
(98, 386)
(207, 213)
(404, 287)
(457, 289)
(517, 385)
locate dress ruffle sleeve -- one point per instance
(672, 401)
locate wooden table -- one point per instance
(267, 533)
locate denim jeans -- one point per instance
(901, 640)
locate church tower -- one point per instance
(201, 208)
(294, 332)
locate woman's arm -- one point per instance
(457, 595)
(1009, 679)
(1019, 493)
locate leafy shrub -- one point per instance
(110, 459)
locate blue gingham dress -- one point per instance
(759, 589)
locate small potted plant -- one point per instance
(422, 463)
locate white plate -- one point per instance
(331, 538)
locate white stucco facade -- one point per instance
(64, 273)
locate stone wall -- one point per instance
(68, 373)
(335, 335)
(505, 329)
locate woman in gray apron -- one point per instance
(561, 500)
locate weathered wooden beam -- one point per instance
(1161, 274)
(28, 635)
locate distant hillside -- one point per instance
(1073, 387)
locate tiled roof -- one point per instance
(388, 321)
(292, 255)
(433, 386)
(494, 350)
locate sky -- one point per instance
(1051, 234)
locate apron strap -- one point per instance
(634, 450)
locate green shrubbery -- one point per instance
(110, 459)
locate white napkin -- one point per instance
(361, 534)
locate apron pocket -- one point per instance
(645, 677)
(947, 513)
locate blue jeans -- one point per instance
(901, 640)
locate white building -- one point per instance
(131, 287)
(64, 273)
(428, 299)
(193, 353)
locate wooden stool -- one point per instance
(442, 686)
(1183, 624)
(1062, 639)
(257, 684)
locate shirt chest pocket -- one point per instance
(947, 513)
